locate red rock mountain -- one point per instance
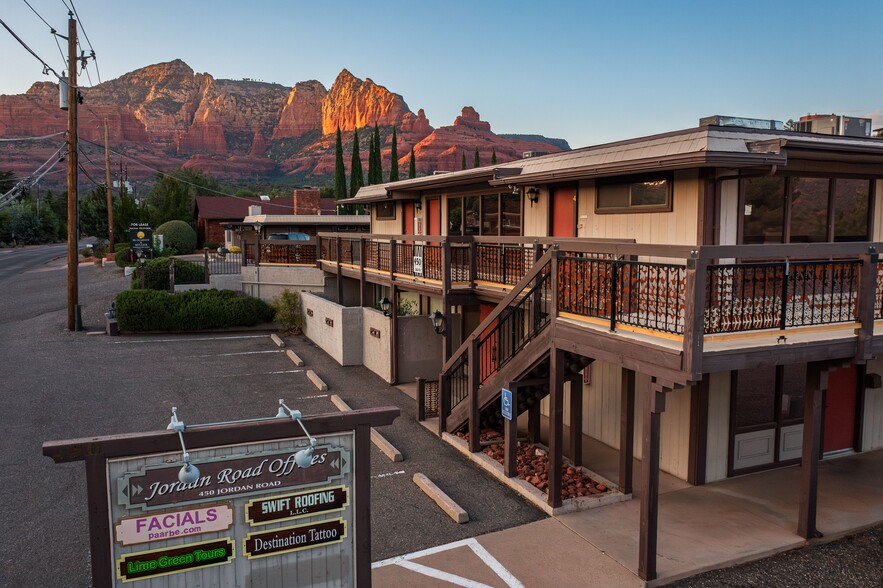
(166, 116)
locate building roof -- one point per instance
(236, 207)
(307, 219)
(706, 146)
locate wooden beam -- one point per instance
(654, 405)
(627, 431)
(576, 421)
(866, 298)
(510, 436)
(698, 432)
(474, 415)
(362, 484)
(556, 425)
(99, 525)
(394, 335)
(816, 382)
(363, 283)
(339, 274)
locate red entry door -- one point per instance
(840, 404)
(408, 218)
(433, 226)
(563, 205)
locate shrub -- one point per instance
(211, 245)
(99, 250)
(179, 235)
(86, 252)
(288, 311)
(151, 310)
(235, 249)
(156, 273)
(122, 255)
(120, 246)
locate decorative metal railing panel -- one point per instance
(502, 264)
(878, 293)
(377, 255)
(459, 263)
(458, 376)
(776, 295)
(432, 262)
(288, 252)
(224, 263)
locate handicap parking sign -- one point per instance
(507, 404)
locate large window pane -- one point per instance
(851, 210)
(455, 216)
(755, 396)
(809, 210)
(651, 193)
(471, 215)
(511, 218)
(490, 215)
(764, 210)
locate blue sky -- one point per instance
(589, 72)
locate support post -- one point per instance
(393, 261)
(394, 334)
(510, 437)
(866, 298)
(556, 425)
(363, 283)
(472, 251)
(444, 403)
(448, 335)
(576, 421)
(205, 275)
(694, 315)
(627, 431)
(339, 271)
(363, 515)
(99, 525)
(654, 406)
(474, 417)
(72, 160)
(816, 382)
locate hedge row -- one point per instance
(156, 273)
(154, 310)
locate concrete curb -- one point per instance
(294, 358)
(316, 380)
(379, 440)
(451, 508)
(277, 340)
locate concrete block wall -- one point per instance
(375, 342)
(267, 282)
(336, 329)
(419, 349)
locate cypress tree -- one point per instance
(356, 178)
(476, 162)
(494, 156)
(463, 161)
(371, 171)
(339, 169)
(394, 159)
(412, 166)
(378, 160)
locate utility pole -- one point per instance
(73, 307)
(109, 193)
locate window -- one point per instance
(646, 194)
(385, 210)
(488, 214)
(819, 209)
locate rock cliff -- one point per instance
(167, 116)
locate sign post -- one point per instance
(506, 400)
(254, 515)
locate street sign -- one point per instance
(141, 239)
(507, 404)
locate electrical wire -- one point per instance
(11, 139)
(164, 174)
(46, 67)
(51, 30)
(89, 177)
(31, 180)
(91, 48)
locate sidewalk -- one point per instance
(700, 528)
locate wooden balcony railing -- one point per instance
(279, 252)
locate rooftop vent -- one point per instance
(745, 123)
(527, 154)
(265, 198)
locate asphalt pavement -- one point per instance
(56, 384)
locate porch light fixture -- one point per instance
(257, 230)
(304, 457)
(385, 305)
(533, 194)
(188, 473)
(438, 322)
(418, 205)
(515, 189)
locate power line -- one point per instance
(89, 177)
(46, 67)
(11, 139)
(52, 30)
(91, 48)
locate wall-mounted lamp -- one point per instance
(188, 473)
(533, 194)
(385, 305)
(304, 457)
(257, 230)
(438, 322)
(515, 189)
(418, 205)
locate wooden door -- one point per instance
(840, 405)
(408, 218)
(563, 203)
(433, 226)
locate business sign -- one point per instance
(506, 400)
(173, 560)
(173, 524)
(418, 260)
(251, 497)
(141, 238)
(159, 487)
(261, 511)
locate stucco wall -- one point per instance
(376, 347)
(226, 281)
(419, 349)
(337, 330)
(718, 448)
(267, 282)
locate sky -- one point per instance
(589, 72)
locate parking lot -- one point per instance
(59, 385)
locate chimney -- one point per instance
(254, 210)
(306, 201)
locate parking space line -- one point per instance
(188, 339)
(388, 474)
(260, 374)
(240, 353)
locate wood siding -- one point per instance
(877, 219)
(387, 227)
(678, 227)
(718, 443)
(535, 219)
(729, 213)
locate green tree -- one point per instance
(378, 159)
(93, 213)
(463, 162)
(476, 162)
(394, 159)
(243, 193)
(6, 182)
(172, 197)
(372, 171)
(339, 169)
(494, 156)
(412, 165)
(356, 178)
(24, 223)
(125, 212)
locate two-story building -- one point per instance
(707, 300)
